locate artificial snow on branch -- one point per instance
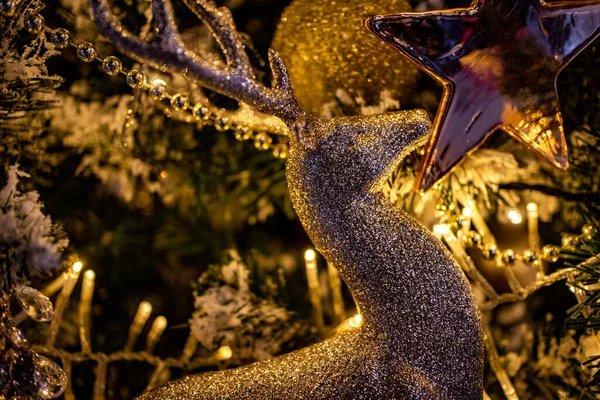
(228, 313)
(28, 246)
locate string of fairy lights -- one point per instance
(179, 104)
(483, 240)
(56, 380)
(505, 258)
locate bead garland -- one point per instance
(531, 258)
(201, 113)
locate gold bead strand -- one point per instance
(531, 258)
(136, 79)
(112, 66)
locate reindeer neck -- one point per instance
(406, 285)
(389, 261)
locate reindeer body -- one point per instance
(420, 337)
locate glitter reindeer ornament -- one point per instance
(421, 336)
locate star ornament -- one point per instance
(498, 62)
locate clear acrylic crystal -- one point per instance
(49, 379)
(35, 304)
(15, 335)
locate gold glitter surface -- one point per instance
(326, 47)
(421, 336)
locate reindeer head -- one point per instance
(353, 154)
(344, 154)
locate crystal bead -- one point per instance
(179, 102)
(201, 112)
(136, 79)
(570, 241)
(34, 23)
(531, 258)
(551, 253)
(262, 141)
(49, 378)
(242, 133)
(35, 304)
(86, 52)
(490, 251)
(8, 7)
(222, 123)
(111, 65)
(473, 239)
(158, 91)
(509, 257)
(588, 232)
(60, 38)
(15, 335)
(280, 151)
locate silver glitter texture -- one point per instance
(166, 51)
(421, 336)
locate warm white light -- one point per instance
(89, 275)
(157, 329)
(158, 81)
(77, 266)
(356, 321)
(310, 255)
(441, 229)
(160, 323)
(145, 308)
(467, 212)
(514, 216)
(224, 353)
(532, 207)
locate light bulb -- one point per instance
(514, 216)
(441, 229)
(310, 255)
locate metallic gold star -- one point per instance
(498, 62)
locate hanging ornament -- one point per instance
(35, 304)
(498, 62)
(49, 379)
(326, 48)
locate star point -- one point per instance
(498, 62)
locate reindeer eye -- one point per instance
(300, 128)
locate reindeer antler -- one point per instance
(167, 52)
